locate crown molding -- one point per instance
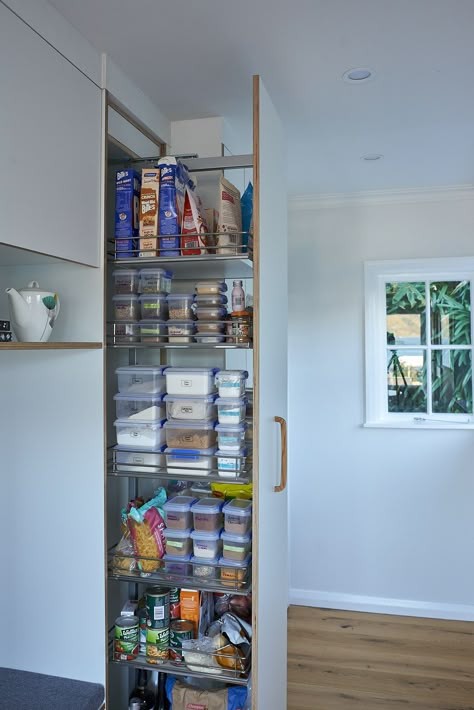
(381, 197)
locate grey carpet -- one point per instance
(34, 691)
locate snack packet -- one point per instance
(229, 241)
(227, 491)
(193, 239)
(146, 525)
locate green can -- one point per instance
(157, 645)
(158, 607)
(180, 630)
(126, 638)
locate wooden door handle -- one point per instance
(284, 456)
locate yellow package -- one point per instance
(227, 491)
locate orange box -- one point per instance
(190, 600)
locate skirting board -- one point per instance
(380, 605)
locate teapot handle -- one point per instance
(58, 305)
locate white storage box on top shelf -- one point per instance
(189, 462)
(231, 383)
(186, 407)
(190, 381)
(134, 459)
(143, 435)
(138, 379)
(146, 407)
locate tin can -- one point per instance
(180, 631)
(157, 645)
(158, 607)
(126, 638)
(175, 606)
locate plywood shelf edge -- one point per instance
(52, 346)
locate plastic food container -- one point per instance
(126, 333)
(201, 490)
(134, 459)
(184, 462)
(209, 338)
(126, 307)
(152, 331)
(238, 516)
(211, 312)
(178, 543)
(139, 435)
(154, 281)
(231, 437)
(231, 383)
(206, 545)
(190, 381)
(182, 407)
(229, 465)
(149, 406)
(178, 512)
(212, 288)
(177, 565)
(210, 299)
(181, 331)
(125, 281)
(231, 410)
(190, 435)
(207, 570)
(153, 306)
(235, 547)
(180, 306)
(207, 514)
(139, 379)
(211, 327)
(233, 573)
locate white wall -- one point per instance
(380, 520)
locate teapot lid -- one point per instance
(32, 286)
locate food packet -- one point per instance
(184, 696)
(229, 240)
(123, 560)
(173, 180)
(227, 491)
(193, 239)
(247, 213)
(146, 525)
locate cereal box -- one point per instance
(127, 204)
(173, 180)
(149, 197)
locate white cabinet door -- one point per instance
(50, 148)
(271, 553)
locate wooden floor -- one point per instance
(351, 661)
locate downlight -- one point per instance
(372, 157)
(359, 75)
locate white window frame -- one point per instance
(377, 274)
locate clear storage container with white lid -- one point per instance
(238, 516)
(229, 464)
(153, 306)
(150, 406)
(189, 462)
(235, 547)
(231, 410)
(206, 545)
(178, 512)
(178, 542)
(143, 435)
(125, 281)
(141, 379)
(231, 383)
(210, 287)
(207, 313)
(207, 514)
(194, 380)
(207, 300)
(186, 407)
(126, 307)
(231, 437)
(209, 338)
(180, 306)
(177, 565)
(181, 331)
(152, 331)
(135, 459)
(190, 435)
(154, 281)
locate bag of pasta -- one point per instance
(146, 525)
(124, 560)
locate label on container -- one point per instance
(232, 548)
(186, 410)
(186, 383)
(175, 543)
(228, 464)
(136, 380)
(158, 613)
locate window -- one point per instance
(419, 343)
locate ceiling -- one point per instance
(196, 59)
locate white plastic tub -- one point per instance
(182, 407)
(140, 435)
(186, 462)
(131, 459)
(231, 383)
(178, 542)
(231, 437)
(238, 516)
(148, 407)
(229, 465)
(190, 381)
(206, 545)
(139, 379)
(231, 410)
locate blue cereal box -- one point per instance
(127, 212)
(173, 179)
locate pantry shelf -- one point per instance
(189, 582)
(51, 346)
(191, 267)
(183, 346)
(169, 475)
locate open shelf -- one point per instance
(51, 346)
(194, 267)
(187, 581)
(183, 346)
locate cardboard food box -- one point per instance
(173, 180)
(149, 201)
(127, 208)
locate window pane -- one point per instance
(406, 313)
(406, 381)
(450, 312)
(451, 381)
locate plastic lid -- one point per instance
(140, 369)
(140, 397)
(186, 424)
(191, 370)
(176, 296)
(152, 297)
(139, 423)
(126, 449)
(173, 558)
(239, 428)
(234, 563)
(151, 321)
(125, 272)
(209, 299)
(125, 297)
(222, 286)
(179, 504)
(182, 534)
(231, 454)
(232, 374)
(199, 560)
(205, 535)
(240, 507)
(232, 537)
(208, 505)
(151, 271)
(236, 401)
(190, 454)
(205, 398)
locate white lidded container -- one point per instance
(190, 435)
(194, 380)
(149, 406)
(140, 379)
(210, 288)
(134, 459)
(179, 407)
(178, 542)
(210, 313)
(178, 512)
(210, 299)
(235, 547)
(238, 516)
(231, 410)
(140, 435)
(154, 281)
(180, 306)
(206, 545)
(125, 281)
(186, 462)
(231, 383)
(230, 464)
(231, 437)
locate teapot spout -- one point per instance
(18, 307)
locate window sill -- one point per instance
(417, 425)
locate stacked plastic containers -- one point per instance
(211, 311)
(140, 304)
(231, 428)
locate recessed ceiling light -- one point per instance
(358, 75)
(371, 157)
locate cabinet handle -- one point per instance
(284, 456)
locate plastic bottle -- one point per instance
(238, 297)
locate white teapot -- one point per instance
(32, 312)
